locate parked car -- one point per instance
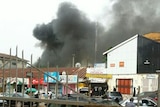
(93, 102)
(152, 94)
(143, 102)
(113, 95)
(2, 102)
(19, 95)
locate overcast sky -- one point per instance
(18, 18)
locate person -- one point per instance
(114, 89)
(130, 104)
(91, 91)
(49, 94)
(100, 91)
(134, 92)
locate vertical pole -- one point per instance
(3, 82)
(31, 77)
(73, 55)
(10, 74)
(23, 72)
(95, 57)
(158, 105)
(48, 78)
(77, 86)
(39, 75)
(16, 67)
(67, 83)
(57, 82)
(138, 96)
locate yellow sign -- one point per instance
(107, 76)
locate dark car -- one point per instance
(113, 95)
(19, 95)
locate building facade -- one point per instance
(133, 63)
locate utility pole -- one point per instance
(95, 54)
(73, 56)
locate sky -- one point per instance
(18, 18)
(57, 31)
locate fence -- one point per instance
(7, 100)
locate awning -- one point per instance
(20, 81)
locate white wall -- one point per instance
(147, 82)
(126, 53)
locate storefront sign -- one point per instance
(96, 70)
(107, 76)
(71, 78)
(51, 77)
(11, 80)
(36, 81)
(99, 65)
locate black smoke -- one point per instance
(70, 33)
(73, 33)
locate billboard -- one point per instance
(51, 77)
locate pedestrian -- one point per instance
(134, 92)
(100, 91)
(91, 91)
(130, 104)
(114, 89)
(49, 94)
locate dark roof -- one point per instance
(40, 71)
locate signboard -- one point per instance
(96, 71)
(100, 65)
(36, 81)
(51, 77)
(97, 80)
(11, 80)
(71, 78)
(107, 76)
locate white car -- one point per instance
(143, 102)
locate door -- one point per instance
(124, 85)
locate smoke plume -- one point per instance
(73, 34)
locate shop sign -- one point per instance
(96, 70)
(107, 76)
(71, 78)
(18, 80)
(36, 81)
(100, 65)
(97, 80)
(51, 77)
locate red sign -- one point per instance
(36, 81)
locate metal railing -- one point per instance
(47, 102)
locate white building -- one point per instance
(133, 63)
(10, 61)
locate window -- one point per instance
(14, 63)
